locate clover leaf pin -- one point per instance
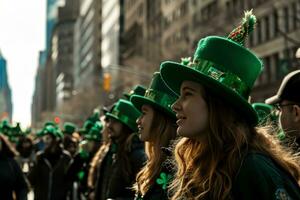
(163, 180)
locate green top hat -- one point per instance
(52, 130)
(137, 90)
(222, 65)
(69, 128)
(95, 132)
(158, 95)
(126, 113)
(88, 124)
(5, 127)
(264, 112)
(16, 131)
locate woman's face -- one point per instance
(191, 111)
(144, 122)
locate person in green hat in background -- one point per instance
(71, 138)
(222, 154)
(48, 175)
(79, 169)
(13, 184)
(118, 172)
(102, 160)
(157, 128)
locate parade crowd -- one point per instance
(192, 133)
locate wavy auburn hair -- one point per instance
(163, 131)
(206, 169)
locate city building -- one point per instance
(5, 91)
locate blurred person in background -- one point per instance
(13, 184)
(287, 102)
(48, 175)
(78, 171)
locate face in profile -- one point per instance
(114, 128)
(191, 110)
(144, 122)
(289, 119)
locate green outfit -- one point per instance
(261, 178)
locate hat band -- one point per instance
(160, 98)
(125, 119)
(226, 78)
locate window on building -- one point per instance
(294, 16)
(267, 28)
(275, 23)
(258, 32)
(286, 18)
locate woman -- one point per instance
(157, 128)
(222, 154)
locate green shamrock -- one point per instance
(163, 180)
(80, 175)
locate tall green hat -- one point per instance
(137, 90)
(95, 132)
(224, 66)
(5, 127)
(69, 128)
(88, 124)
(125, 112)
(158, 95)
(52, 130)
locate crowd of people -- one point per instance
(192, 133)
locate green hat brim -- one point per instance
(138, 101)
(174, 74)
(133, 128)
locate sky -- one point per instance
(22, 36)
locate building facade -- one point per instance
(6, 107)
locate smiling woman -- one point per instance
(21, 39)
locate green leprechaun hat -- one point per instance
(50, 128)
(137, 90)
(224, 66)
(125, 112)
(69, 128)
(88, 124)
(95, 132)
(158, 95)
(265, 113)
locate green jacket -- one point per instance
(261, 178)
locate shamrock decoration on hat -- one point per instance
(223, 66)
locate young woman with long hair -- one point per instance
(157, 128)
(222, 154)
